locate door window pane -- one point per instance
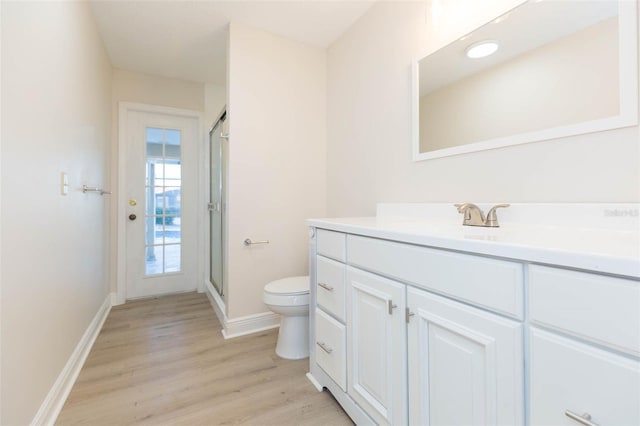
(172, 258)
(150, 201)
(163, 193)
(154, 260)
(151, 229)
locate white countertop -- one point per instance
(600, 248)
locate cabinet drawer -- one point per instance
(595, 307)
(331, 288)
(567, 375)
(494, 284)
(330, 348)
(331, 244)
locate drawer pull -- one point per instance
(325, 286)
(324, 347)
(584, 419)
(391, 306)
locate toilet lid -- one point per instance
(291, 285)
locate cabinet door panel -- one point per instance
(462, 374)
(376, 346)
(465, 365)
(568, 375)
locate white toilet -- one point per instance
(289, 297)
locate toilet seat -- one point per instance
(291, 285)
(292, 291)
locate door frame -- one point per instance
(121, 243)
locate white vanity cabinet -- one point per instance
(410, 333)
(460, 365)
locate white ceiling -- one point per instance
(187, 39)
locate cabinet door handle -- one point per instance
(584, 419)
(391, 306)
(407, 315)
(324, 347)
(325, 286)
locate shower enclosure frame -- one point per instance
(217, 201)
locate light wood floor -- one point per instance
(163, 362)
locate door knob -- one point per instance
(132, 217)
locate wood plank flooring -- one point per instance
(164, 361)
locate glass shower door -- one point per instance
(216, 203)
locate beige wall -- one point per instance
(369, 127)
(215, 98)
(130, 86)
(568, 81)
(56, 90)
(277, 174)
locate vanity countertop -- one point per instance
(611, 250)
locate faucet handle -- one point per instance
(492, 217)
(473, 215)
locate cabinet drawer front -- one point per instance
(494, 284)
(331, 244)
(567, 375)
(595, 307)
(330, 348)
(331, 289)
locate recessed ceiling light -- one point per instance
(482, 49)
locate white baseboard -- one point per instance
(53, 403)
(241, 326)
(216, 302)
(115, 300)
(250, 324)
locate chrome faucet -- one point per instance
(474, 216)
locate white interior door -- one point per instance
(161, 213)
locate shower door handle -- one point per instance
(213, 207)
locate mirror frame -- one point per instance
(628, 95)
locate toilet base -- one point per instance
(293, 337)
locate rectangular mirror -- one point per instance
(561, 68)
